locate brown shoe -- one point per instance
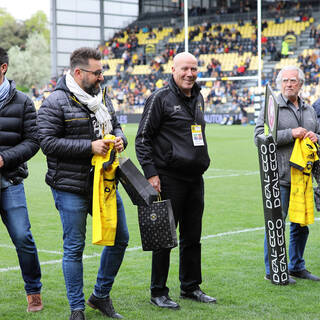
(34, 303)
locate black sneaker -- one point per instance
(104, 305)
(291, 281)
(77, 315)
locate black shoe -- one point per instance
(77, 315)
(197, 295)
(291, 281)
(304, 274)
(104, 305)
(164, 302)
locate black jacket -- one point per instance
(164, 142)
(18, 134)
(65, 134)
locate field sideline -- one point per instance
(232, 249)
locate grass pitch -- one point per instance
(232, 249)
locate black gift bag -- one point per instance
(136, 185)
(157, 226)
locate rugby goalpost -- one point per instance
(258, 76)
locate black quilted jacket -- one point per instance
(18, 134)
(65, 134)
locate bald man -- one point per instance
(172, 150)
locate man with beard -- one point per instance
(18, 143)
(72, 123)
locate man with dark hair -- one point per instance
(18, 143)
(172, 149)
(72, 123)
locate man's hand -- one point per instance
(118, 144)
(1, 162)
(313, 137)
(155, 182)
(299, 132)
(101, 146)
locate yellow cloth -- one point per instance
(301, 205)
(104, 202)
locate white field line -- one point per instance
(222, 234)
(229, 173)
(49, 262)
(39, 250)
(232, 175)
(228, 170)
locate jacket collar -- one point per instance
(61, 84)
(283, 101)
(194, 92)
(12, 92)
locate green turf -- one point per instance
(232, 264)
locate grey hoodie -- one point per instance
(287, 121)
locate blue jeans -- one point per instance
(73, 209)
(298, 237)
(14, 214)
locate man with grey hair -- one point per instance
(172, 149)
(296, 120)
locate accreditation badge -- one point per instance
(197, 137)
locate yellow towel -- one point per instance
(104, 202)
(301, 205)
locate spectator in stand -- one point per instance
(272, 50)
(313, 32)
(284, 49)
(264, 25)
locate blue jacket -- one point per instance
(316, 107)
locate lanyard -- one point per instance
(189, 110)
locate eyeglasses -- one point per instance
(97, 73)
(292, 80)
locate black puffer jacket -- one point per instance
(65, 134)
(18, 134)
(164, 142)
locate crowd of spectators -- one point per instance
(129, 92)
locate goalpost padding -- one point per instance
(274, 224)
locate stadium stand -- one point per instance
(138, 59)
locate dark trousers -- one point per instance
(187, 199)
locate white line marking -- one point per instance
(51, 262)
(233, 175)
(230, 233)
(222, 234)
(39, 250)
(228, 170)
